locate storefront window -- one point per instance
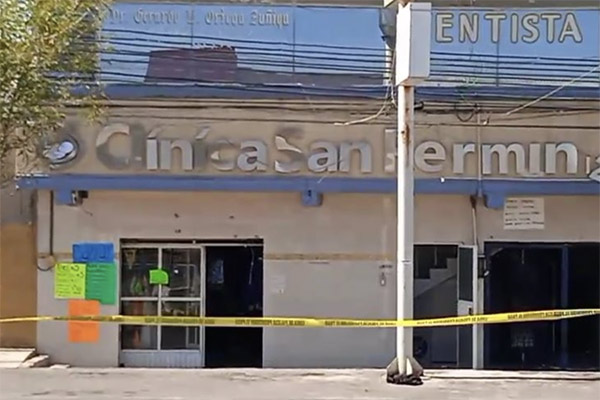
(175, 337)
(136, 265)
(134, 337)
(175, 292)
(183, 268)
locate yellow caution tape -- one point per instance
(527, 316)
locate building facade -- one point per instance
(266, 218)
(254, 189)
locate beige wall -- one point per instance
(294, 237)
(18, 295)
(448, 219)
(327, 259)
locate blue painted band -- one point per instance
(322, 184)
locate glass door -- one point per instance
(162, 280)
(182, 297)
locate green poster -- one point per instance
(69, 281)
(159, 277)
(101, 282)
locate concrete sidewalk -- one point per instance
(245, 384)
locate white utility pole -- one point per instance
(405, 221)
(412, 52)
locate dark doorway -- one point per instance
(435, 296)
(234, 288)
(583, 334)
(523, 278)
(526, 277)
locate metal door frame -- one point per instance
(142, 356)
(477, 306)
(473, 304)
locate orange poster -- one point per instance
(84, 332)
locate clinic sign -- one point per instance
(121, 147)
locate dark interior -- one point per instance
(584, 283)
(526, 277)
(523, 279)
(234, 288)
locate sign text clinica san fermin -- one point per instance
(153, 153)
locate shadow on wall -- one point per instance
(18, 277)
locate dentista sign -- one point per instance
(286, 153)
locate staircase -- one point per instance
(437, 276)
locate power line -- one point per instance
(438, 64)
(435, 71)
(511, 126)
(262, 63)
(391, 121)
(293, 90)
(507, 76)
(348, 104)
(356, 91)
(467, 57)
(516, 56)
(136, 42)
(241, 118)
(550, 93)
(353, 89)
(443, 69)
(264, 42)
(339, 47)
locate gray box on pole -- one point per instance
(413, 43)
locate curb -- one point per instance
(502, 375)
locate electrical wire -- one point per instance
(535, 61)
(537, 67)
(448, 68)
(389, 93)
(319, 121)
(262, 42)
(441, 70)
(363, 58)
(541, 98)
(511, 126)
(436, 72)
(515, 56)
(333, 47)
(246, 85)
(143, 42)
(389, 123)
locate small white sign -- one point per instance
(524, 213)
(277, 283)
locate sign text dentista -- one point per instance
(492, 26)
(288, 153)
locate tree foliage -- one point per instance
(47, 49)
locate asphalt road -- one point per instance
(143, 384)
